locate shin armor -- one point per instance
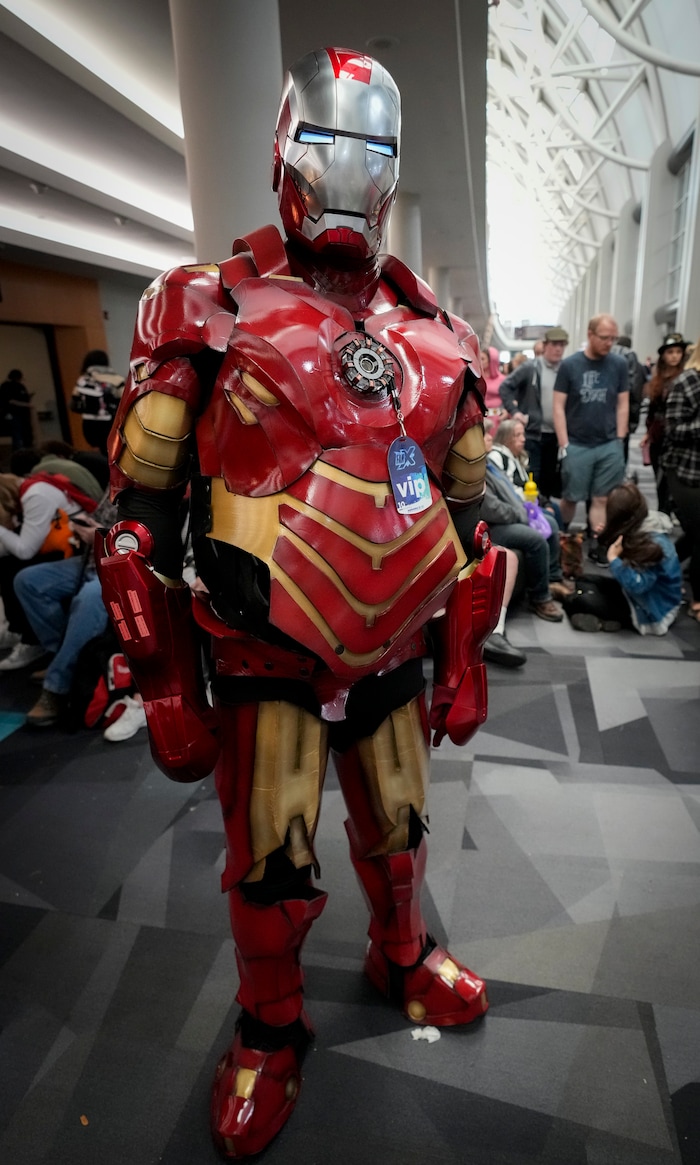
(402, 960)
(268, 941)
(385, 801)
(255, 1088)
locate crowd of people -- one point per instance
(53, 498)
(556, 436)
(561, 426)
(51, 504)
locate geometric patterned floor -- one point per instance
(564, 867)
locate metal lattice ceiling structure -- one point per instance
(580, 94)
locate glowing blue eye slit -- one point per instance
(385, 148)
(314, 137)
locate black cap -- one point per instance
(673, 340)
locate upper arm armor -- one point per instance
(464, 471)
(465, 466)
(150, 442)
(182, 314)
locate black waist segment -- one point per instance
(371, 699)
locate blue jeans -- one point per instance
(535, 550)
(43, 591)
(554, 544)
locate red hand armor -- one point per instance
(459, 701)
(158, 635)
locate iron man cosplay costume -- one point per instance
(323, 411)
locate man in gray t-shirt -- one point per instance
(591, 413)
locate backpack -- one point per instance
(60, 538)
(97, 393)
(60, 481)
(601, 597)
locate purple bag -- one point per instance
(537, 519)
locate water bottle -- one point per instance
(530, 490)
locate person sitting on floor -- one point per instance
(645, 590)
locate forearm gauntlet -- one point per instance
(154, 624)
(459, 702)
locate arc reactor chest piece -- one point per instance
(367, 366)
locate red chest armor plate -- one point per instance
(299, 466)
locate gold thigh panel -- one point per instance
(291, 752)
(395, 762)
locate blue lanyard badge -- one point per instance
(408, 476)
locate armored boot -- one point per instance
(402, 960)
(258, 1079)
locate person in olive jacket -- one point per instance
(527, 396)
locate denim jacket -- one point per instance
(654, 594)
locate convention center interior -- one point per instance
(521, 300)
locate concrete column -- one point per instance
(603, 293)
(654, 239)
(688, 320)
(404, 237)
(439, 280)
(624, 269)
(229, 66)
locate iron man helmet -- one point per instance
(336, 162)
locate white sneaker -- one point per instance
(132, 718)
(8, 638)
(22, 655)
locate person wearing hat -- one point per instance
(668, 368)
(527, 396)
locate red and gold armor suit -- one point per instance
(272, 386)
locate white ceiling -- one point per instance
(91, 156)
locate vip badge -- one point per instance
(408, 476)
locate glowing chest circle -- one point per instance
(367, 366)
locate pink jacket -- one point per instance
(492, 380)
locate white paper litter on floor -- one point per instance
(431, 1034)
